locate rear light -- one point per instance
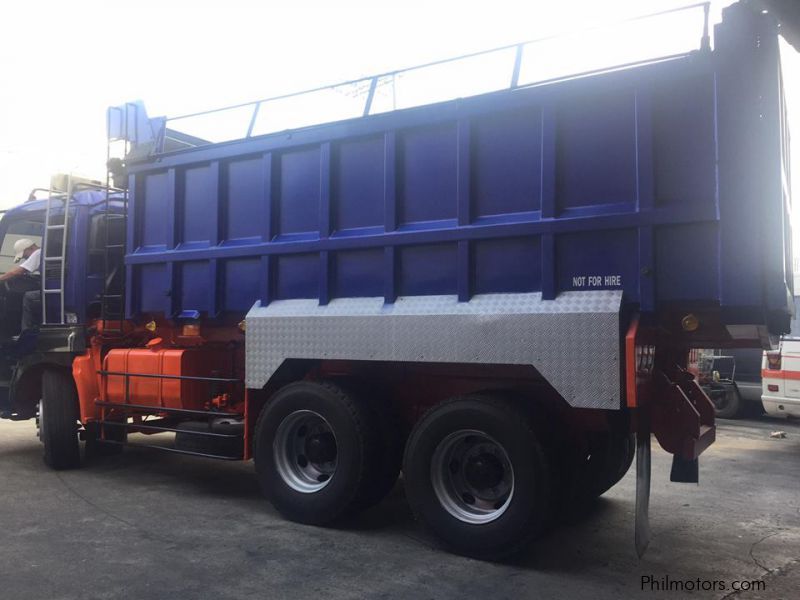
(774, 361)
(645, 359)
(191, 330)
(772, 388)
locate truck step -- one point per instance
(150, 410)
(221, 438)
(173, 450)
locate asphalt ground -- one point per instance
(154, 525)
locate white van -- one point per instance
(780, 379)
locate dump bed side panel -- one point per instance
(567, 188)
(604, 182)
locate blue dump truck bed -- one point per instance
(667, 181)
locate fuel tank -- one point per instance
(164, 369)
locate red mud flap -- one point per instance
(682, 418)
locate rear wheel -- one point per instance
(727, 403)
(317, 449)
(58, 420)
(476, 475)
(610, 458)
(385, 469)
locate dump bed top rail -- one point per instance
(510, 67)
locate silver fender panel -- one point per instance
(573, 341)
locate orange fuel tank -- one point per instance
(171, 393)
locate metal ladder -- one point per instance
(57, 262)
(112, 300)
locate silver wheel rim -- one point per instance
(305, 451)
(472, 477)
(39, 421)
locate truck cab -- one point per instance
(77, 273)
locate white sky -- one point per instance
(63, 63)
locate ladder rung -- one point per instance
(55, 227)
(54, 258)
(115, 246)
(58, 291)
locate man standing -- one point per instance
(30, 255)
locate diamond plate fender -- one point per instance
(573, 341)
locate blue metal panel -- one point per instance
(197, 207)
(507, 265)
(687, 253)
(427, 269)
(194, 286)
(358, 174)
(595, 151)
(299, 195)
(611, 177)
(427, 187)
(683, 119)
(358, 273)
(152, 288)
(245, 210)
(241, 281)
(153, 218)
(507, 155)
(297, 276)
(600, 260)
(753, 204)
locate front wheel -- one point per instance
(58, 421)
(476, 475)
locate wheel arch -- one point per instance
(25, 390)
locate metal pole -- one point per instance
(372, 85)
(253, 119)
(705, 41)
(65, 233)
(517, 65)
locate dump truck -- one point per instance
(494, 294)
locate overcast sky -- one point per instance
(63, 63)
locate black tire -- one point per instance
(728, 404)
(59, 421)
(385, 469)
(610, 459)
(355, 451)
(523, 512)
(220, 446)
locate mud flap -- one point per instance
(684, 470)
(642, 525)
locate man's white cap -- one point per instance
(20, 246)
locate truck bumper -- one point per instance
(777, 406)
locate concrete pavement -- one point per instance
(152, 525)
